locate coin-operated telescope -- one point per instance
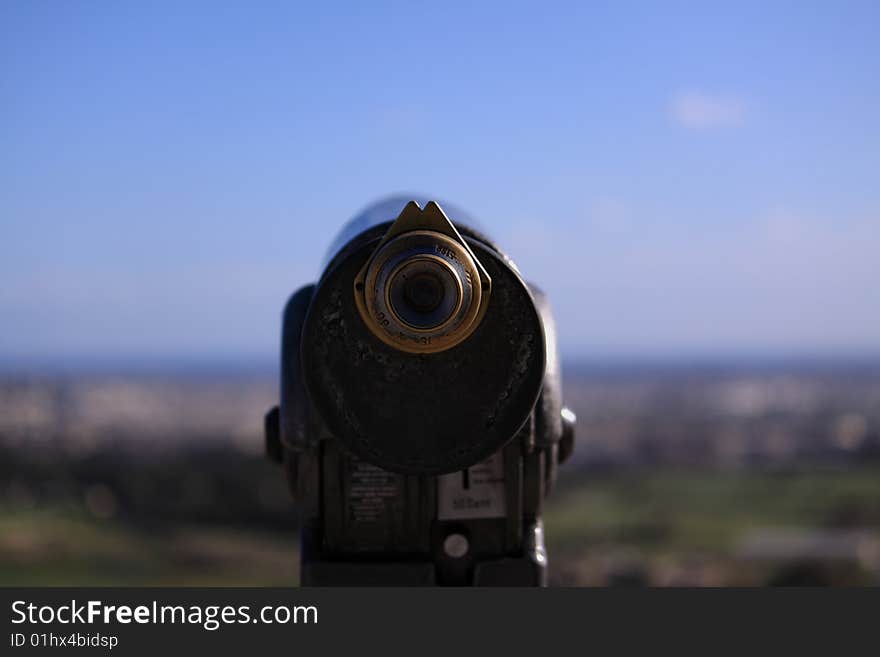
(421, 419)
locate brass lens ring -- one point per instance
(421, 293)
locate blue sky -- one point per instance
(684, 178)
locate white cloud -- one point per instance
(694, 109)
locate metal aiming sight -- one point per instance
(421, 419)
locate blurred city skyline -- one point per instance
(685, 181)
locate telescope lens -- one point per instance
(424, 293)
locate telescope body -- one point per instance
(421, 421)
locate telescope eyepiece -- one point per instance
(422, 290)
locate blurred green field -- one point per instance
(742, 527)
(708, 510)
(64, 546)
(651, 527)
